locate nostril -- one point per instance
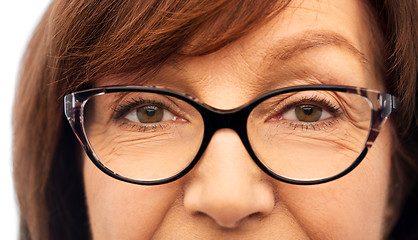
(226, 214)
(222, 220)
(221, 223)
(256, 216)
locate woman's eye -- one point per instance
(306, 113)
(150, 114)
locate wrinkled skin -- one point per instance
(226, 196)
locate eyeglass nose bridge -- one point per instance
(235, 119)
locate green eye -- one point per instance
(149, 114)
(308, 113)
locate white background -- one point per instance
(18, 19)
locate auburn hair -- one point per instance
(78, 42)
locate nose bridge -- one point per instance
(234, 120)
(226, 186)
(227, 135)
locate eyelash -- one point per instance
(321, 102)
(123, 109)
(312, 126)
(315, 100)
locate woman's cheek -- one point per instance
(119, 210)
(352, 207)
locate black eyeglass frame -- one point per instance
(382, 105)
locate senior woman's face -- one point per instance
(226, 195)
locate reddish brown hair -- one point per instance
(77, 42)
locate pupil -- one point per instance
(150, 112)
(307, 110)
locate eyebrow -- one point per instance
(284, 49)
(290, 47)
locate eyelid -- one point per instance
(121, 110)
(177, 108)
(127, 102)
(284, 105)
(323, 103)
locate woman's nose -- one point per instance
(227, 186)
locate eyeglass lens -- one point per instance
(309, 135)
(304, 135)
(143, 136)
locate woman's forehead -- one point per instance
(304, 38)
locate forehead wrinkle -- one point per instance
(292, 46)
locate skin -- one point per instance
(226, 196)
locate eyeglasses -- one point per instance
(301, 135)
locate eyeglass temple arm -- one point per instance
(395, 103)
(388, 103)
(73, 111)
